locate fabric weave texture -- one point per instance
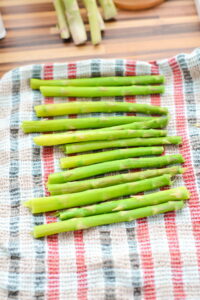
(152, 258)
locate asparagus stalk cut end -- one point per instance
(27, 204)
(93, 16)
(109, 9)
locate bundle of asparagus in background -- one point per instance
(70, 22)
(86, 198)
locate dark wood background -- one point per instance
(171, 28)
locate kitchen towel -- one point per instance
(151, 258)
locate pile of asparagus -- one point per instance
(70, 22)
(82, 200)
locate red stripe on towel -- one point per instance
(53, 291)
(189, 176)
(82, 289)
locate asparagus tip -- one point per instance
(57, 214)
(183, 170)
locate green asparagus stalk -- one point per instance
(89, 146)
(94, 158)
(177, 194)
(113, 166)
(51, 110)
(99, 81)
(45, 204)
(92, 11)
(85, 123)
(62, 22)
(79, 186)
(75, 22)
(116, 217)
(66, 138)
(91, 92)
(109, 9)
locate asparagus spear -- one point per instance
(93, 17)
(151, 123)
(62, 22)
(154, 123)
(45, 204)
(99, 81)
(116, 217)
(75, 22)
(177, 194)
(84, 123)
(51, 110)
(88, 146)
(113, 166)
(66, 138)
(79, 186)
(93, 158)
(91, 92)
(109, 9)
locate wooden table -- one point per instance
(164, 31)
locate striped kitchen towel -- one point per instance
(151, 258)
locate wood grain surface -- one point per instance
(166, 30)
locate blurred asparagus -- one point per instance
(110, 218)
(83, 185)
(94, 22)
(109, 9)
(75, 22)
(62, 22)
